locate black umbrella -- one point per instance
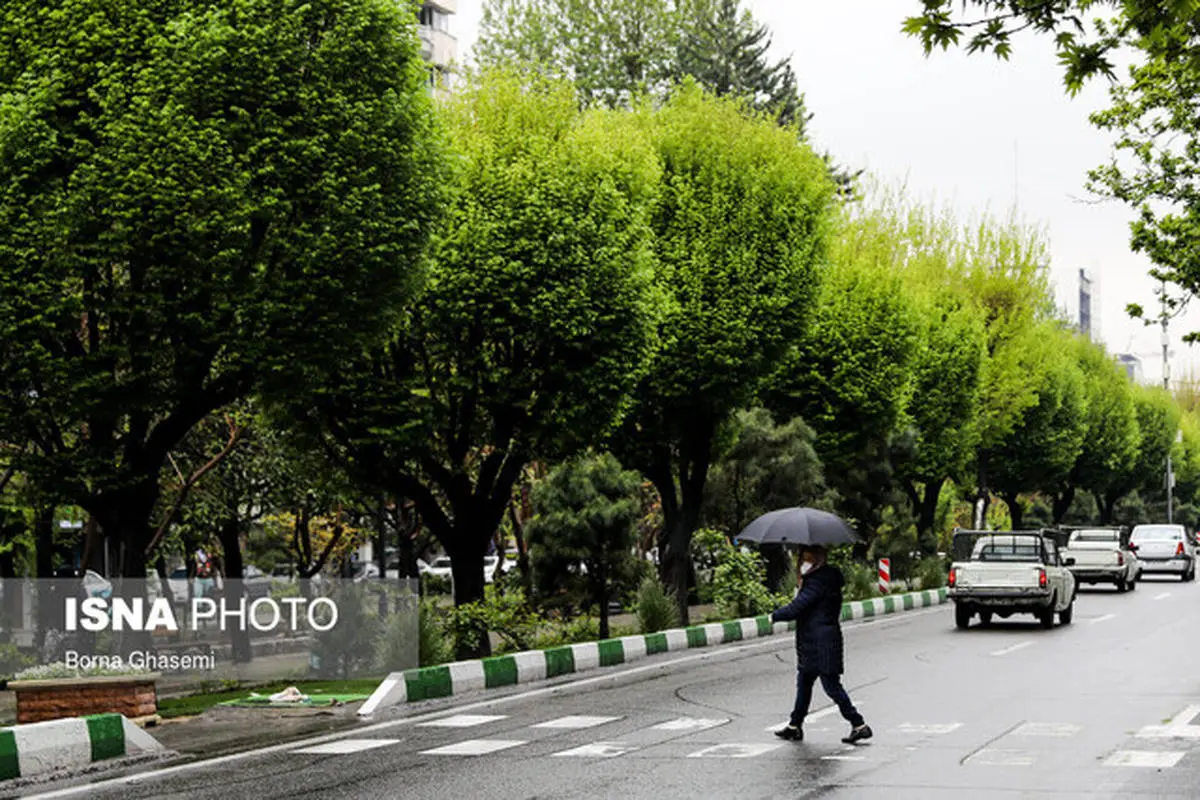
(799, 526)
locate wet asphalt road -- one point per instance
(1100, 708)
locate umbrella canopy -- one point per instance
(799, 526)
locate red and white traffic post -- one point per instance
(885, 575)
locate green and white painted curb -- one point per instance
(446, 680)
(66, 744)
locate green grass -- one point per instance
(199, 703)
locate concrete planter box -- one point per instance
(130, 695)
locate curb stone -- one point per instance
(446, 680)
(72, 743)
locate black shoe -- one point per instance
(791, 733)
(858, 734)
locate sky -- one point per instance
(971, 132)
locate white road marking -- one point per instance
(473, 747)
(1178, 727)
(824, 712)
(1003, 758)
(462, 721)
(345, 746)
(734, 750)
(599, 750)
(1105, 618)
(843, 758)
(610, 678)
(1144, 758)
(908, 727)
(1047, 729)
(692, 724)
(575, 722)
(1162, 596)
(1014, 648)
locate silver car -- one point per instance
(1165, 549)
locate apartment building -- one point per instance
(438, 45)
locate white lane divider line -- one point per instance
(575, 723)
(734, 751)
(1144, 758)
(473, 747)
(1105, 618)
(1162, 596)
(843, 758)
(599, 750)
(462, 721)
(693, 724)
(343, 747)
(824, 712)
(1012, 649)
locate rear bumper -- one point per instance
(1094, 574)
(1001, 598)
(1178, 565)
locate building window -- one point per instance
(431, 17)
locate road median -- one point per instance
(41, 748)
(447, 680)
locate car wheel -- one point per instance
(1133, 582)
(1122, 586)
(962, 617)
(1066, 614)
(1047, 617)
(985, 618)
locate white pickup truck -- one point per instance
(1011, 572)
(1103, 555)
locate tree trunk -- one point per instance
(1108, 506)
(1015, 510)
(981, 495)
(777, 565)
(231, 547)
(381, 556)
(1062, 503)
(45, 542)
(518, 524)
(602, 593)
(466, 566)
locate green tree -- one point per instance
(1152, 26)
(1158, 420)
(612, 50)
(849, 376)
(585, 513)
(1043, 447)
(724, 49)
(198, 197)
(766, 466)
(1112, 437)
(537, 323)
(740, 233)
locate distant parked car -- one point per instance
(1165, 549)
(256, 582)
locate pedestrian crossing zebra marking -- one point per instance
(1047, 729)
(473, 747)
(1003, 758)
(343, 747)
(463, 721)
(734, 750)
(689, 724)
(1144, 758)
(576, 723)
(939, 729)
(599, 750)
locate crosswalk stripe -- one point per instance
(341, 747)
(599, 750)
(473, 747)
(734, 750)
(1144, 758)
(690, 724)
(462, 721)
(576, 722)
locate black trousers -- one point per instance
(832, 684)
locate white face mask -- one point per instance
(806, 567)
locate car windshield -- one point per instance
(442, 563)
(1095, 536)
(489, 560)
(179, 573)
(1008, 548)
(1156, 533)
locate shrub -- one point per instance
(930, 573)
(434, 584)
(400, 646)
(739, 586)
(656, 610)
(434, 645)
(350, 647)
(12, 660)
(507, 615)
(862, 581)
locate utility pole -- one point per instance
(1166, 341)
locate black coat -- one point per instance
(817, 610)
